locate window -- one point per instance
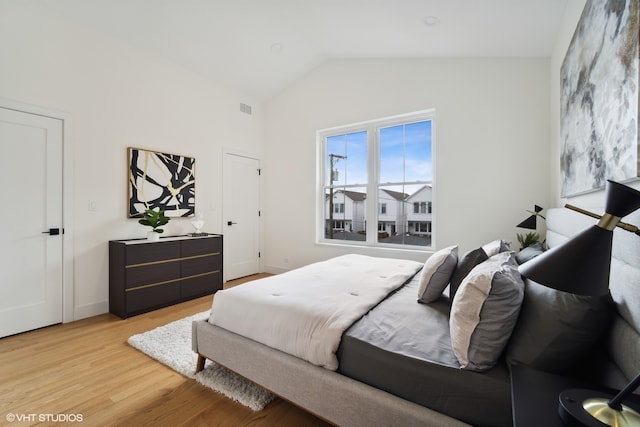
(377, 177)
(338, 225)
(420, 207)
(420, 227)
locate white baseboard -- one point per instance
(90, 310)
(274, 270)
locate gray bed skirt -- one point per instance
(331, 396)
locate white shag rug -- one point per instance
(171, 344)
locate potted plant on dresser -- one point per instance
(154, 219)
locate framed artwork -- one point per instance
(599, 98)
(161, 180)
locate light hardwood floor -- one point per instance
(87, 369)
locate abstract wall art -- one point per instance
(599, 98)
(161, 180)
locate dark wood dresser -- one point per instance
(145, 276)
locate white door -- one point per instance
(30, 250)
(241, 216)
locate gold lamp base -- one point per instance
(599, 409)
(579, 407)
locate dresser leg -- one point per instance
(200, 363)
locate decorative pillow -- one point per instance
(465, 265)
(484, 312)
(436, 273)
(529, 252)
(496, 247)
(557, 329)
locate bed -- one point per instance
(394, 368)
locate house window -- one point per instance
(378, 173)
(420, 207)
(420, 227)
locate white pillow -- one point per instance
(496, 247)
(484, 312)
(436, 273)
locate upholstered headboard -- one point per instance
(623, 341)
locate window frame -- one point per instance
(418, 208)
(372, 185)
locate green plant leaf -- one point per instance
(154, 219)
(528, 239)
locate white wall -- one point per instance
(590, 200)
(497, 130)
(118, 96)
(492, 144)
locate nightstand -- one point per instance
(534, 396)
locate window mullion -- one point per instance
(373, 157)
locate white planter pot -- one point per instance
(152, 236)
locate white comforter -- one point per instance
(305, 311)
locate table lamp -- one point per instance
(531, 222)
(581, 265)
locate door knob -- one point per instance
(231, 223)
(52, 231)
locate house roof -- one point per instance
(396, 194)
(356, 196)
(419, 190)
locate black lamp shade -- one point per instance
(579, 266)
(621, 200)
(529, 223)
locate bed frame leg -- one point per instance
(200, 363)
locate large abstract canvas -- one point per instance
(599, 98)
(161, 180)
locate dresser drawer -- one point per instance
(201, 285)
(141, 275)
(201, 264)
(201, 246)
(152, 252)
(145, 299)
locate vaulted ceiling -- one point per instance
(261, 46)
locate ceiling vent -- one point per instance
(244, 108)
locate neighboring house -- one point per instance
(398, 213)
(391, 212)
(348, 211)
(420, 211)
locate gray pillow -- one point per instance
(436, 273)
(465, 265)
(529, 252)
(484, 312)
(556, 330)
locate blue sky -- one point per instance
(405, 153)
